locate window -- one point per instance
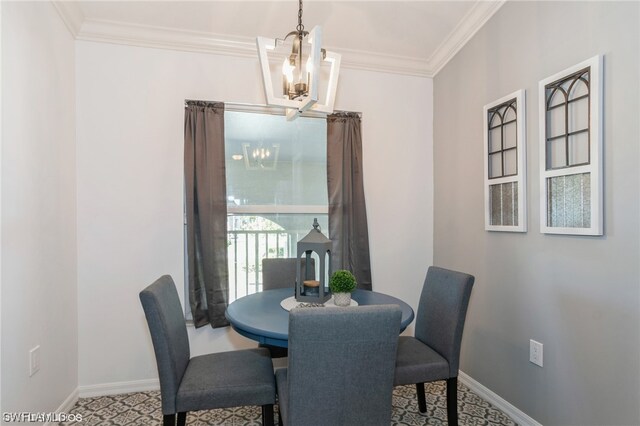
(505, 162)
(571, 150)
(276, 185)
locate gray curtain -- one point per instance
(206, 198)
(347, 210)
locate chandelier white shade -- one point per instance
(298, 74)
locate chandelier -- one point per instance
(298, 85)
(260, 157)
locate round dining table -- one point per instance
(260, 316)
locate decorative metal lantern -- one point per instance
(310, 287)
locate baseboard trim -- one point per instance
(118, 388)
(496, 400)
(66, 405)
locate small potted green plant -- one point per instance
(341, 284)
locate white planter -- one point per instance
(342, 299)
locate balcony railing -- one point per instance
(245, 253)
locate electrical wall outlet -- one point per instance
(34, 360)
(535, 352)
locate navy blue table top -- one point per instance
(260, 317)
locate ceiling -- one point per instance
(409, 37)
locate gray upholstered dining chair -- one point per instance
(218, 380)
(341, 366)
(281, 273)
(434, 353)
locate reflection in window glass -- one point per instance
(276, 185)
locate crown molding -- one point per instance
(165, 38)
(71, 15)
(203, 42)
(475, 18)
(194, 41)
(372, 61)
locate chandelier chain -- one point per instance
(300, 27)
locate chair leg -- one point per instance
(169, 420)
(182, 418)
(422, 401)
(267, 415)
(452, 401)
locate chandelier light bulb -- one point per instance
(260, 153)
(287, 70)
(308, 69)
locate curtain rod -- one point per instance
(267, 109)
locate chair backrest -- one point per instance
(281, 272)
(168, 330)
(442, 311)
(341, 365)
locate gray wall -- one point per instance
(579, 296)
(38, 226)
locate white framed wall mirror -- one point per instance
(505, 164)
(571, 181)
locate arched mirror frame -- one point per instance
(505, 164)
(571, 181)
